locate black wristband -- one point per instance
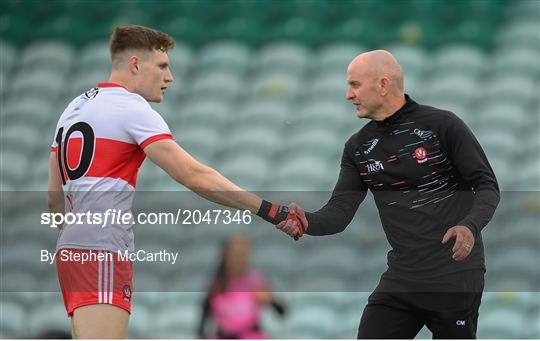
(273, 213)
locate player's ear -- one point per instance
(134, 64)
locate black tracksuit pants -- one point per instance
(398, 310)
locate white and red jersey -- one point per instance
(99, 142)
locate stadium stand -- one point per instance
(254, 80)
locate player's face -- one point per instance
(155, 75)
(363, 92)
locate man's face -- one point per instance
(363, 91)
(154, 76)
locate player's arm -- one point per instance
(208, 183)
(199, 178)
(55, 195)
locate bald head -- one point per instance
(375, 83)
(379, 63)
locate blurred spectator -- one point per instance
(236, 296)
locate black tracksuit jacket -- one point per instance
(427, 173)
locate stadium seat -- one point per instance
(95, 56)
(516, 300)
(529, 177)
(17, 136)
(459, 58)
(519, 33)
(501, 115)
(330, 114)
(286, 57)
(267, 113)
(296, 28)
(7, 57)
(531, 329)
(209, 113)
(334, 58)
(518, 62)
(202, 254)
(522, 11)
(216, 84)
(12, 164)
(501, 323)
(414, 60)
(181, 60)
(141, 321)
(273, 258)
(86, 80)
(275, 85)
(178, 321)
(515, 89)
(48, 317)
(40, 84)
(241, 28)
(273, 324)
(26, 254)
(517, 261)
(258, 139)
(303, 173)
(328, 86)
(246, 170)
(334, 261)
(355, 30)
(231, 56)
(12, 320)
(37, 110)
(188, 30)
(316, 141)
(414, 87)
(311, 322)
(55, 56)
(459, 88)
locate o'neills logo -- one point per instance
(127, 292)
(373, 144)
(420, 154)
(375, 166)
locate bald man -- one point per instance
(435, 192)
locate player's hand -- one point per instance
(277, 214)
(295, 227)
(464, 241)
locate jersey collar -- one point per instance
(409, 106)
(110, 85)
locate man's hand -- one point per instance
(277, 214)
(464, 241)
(291, 226)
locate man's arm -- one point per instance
(55, 194)
(199, 178)
(338, 212)
(472, 164)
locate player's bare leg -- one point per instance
(100, 321)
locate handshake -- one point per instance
(289, 219)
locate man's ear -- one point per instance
(384, 85)
(134, 64)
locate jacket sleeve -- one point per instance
(347, 195)
(472, 164)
